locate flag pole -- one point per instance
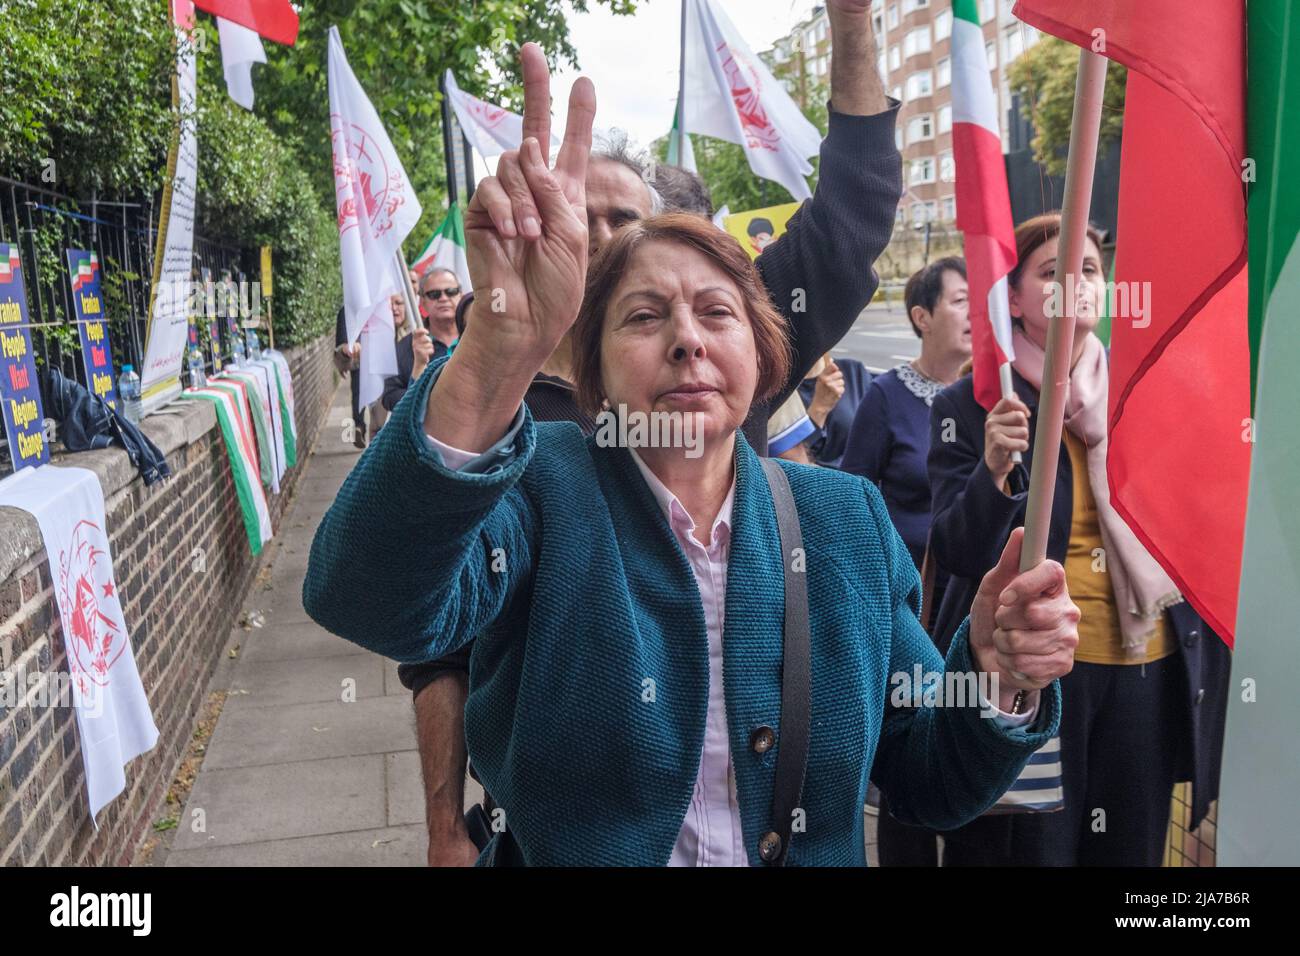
(681, 93)
(1088, 92)
(408, 291)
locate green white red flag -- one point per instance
(237, 433)
(983, 202)
(446, 249)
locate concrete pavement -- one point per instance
(313, 759)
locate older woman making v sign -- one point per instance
(610, 589)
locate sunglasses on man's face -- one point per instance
(436, 294)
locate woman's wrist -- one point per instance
(475, 399)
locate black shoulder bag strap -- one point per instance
(796, 675)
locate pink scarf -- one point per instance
(1142, 589)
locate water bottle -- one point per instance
(237, 349)
(254, 348)
(197, 378)
(128, 392)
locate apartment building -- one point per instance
(914, 42)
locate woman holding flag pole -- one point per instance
(1144, 656)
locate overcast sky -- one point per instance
(633, 60)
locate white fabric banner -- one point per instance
(169, 309)
(730, 94)
(240, 49)
(113, 718)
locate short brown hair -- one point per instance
(1035, 231)
(771, 342)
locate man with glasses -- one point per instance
(439, 295)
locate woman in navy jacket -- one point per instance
(1145, 703)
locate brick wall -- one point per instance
(179, 611)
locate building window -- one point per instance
(920, 84)
(899, 214)
(991, 54)
(923, 212)
(877, 24)
(822, 29)
(919, 128)
(942, 25)
(811, 40)
(943, 69)
(895, 57)
(988, 10)
(917, 41)
(897, 93)
(898, 138)
(1013, 43)
(910, 5)
(893, 16)
(880, 64)
(822, 65)
(949, 208)
(945, 119)
(947, 168)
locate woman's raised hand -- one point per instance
(526, 228)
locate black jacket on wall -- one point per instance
(971, 521)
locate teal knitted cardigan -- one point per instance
(589, 675)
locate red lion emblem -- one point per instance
(93, 639)
(362, 174)
(745, 87)
(487, 114)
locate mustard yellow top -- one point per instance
(1100, 641)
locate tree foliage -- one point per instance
(85, 95)
(1044, 76)
(86, 86)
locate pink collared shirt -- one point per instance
(711, 834)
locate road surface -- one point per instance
(880, 339)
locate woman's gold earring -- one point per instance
(604, 404)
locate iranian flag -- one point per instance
(236, 431)
(983, 203)
(446, 249)
(86, 269)
(1261, 765)
(1178, 458)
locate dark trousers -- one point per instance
(1122, 732)
(358, 416)
(902, 845)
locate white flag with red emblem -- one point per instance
(728, 93)
(114, 723)
(490, 129)
(377, 209)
